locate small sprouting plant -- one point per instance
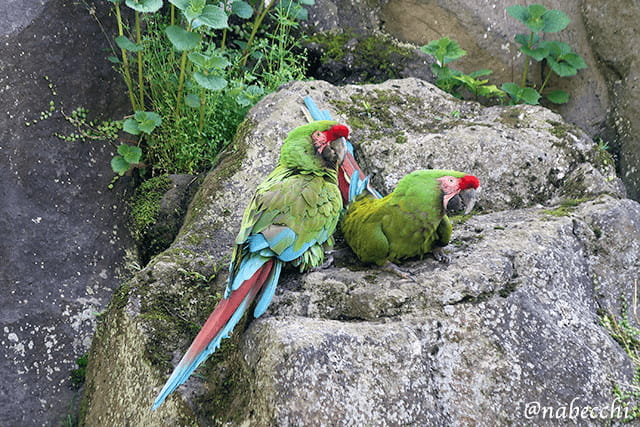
(558, 56)
(453, 81)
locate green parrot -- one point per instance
(293, 213)
(409, 222)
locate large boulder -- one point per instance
(603, 100)
(63, 231)
(512, 320)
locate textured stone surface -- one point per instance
(603, 96)
(512, 319)
(62, 229)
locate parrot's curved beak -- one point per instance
(468, 197)
(334, 152)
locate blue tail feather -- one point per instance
(269, 289)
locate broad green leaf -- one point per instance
(254, 91)
(147, 126)
(558, 97)
(538, 54)
(192, 100)
(242, 9)
(130, 153)
(209, 82)
(491, 91)
(554, 21)
(529, 96)
(145, 6)
(519, 12)
(119, 165)
(180, 4)
(181, 38)
(155, 117)
(213, 17)
(561, 68)
(124, 43)
(307, 2)
(519, 94)
(524, 39)
(574, 60)
(199, 59)
(536, 11)
(131, 126)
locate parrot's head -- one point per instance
(315, 146)
(464, 187)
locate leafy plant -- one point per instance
(558, 56)
(193, 68)
(450, 80)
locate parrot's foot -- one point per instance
(392, 268)
(440, 256)
(328, 263)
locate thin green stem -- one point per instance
(140, 76)
(183, 67)
(262, 13)
(526, 62)
(203, 103)
(125, 61)
(546, 80)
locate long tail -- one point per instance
(348, 166)
(221, 322)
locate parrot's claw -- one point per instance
(328, 263)
(392, 268)
(440, 256)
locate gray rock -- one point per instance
(63, 231)
(513, 319)
(603, 96)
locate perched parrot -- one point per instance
(409, 222)
(294, 212)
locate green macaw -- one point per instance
(293, 213)
(409, 222)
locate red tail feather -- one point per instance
(226, 307)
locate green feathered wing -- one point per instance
(409, 222)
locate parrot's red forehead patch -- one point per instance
(336, 132)
(469, 181)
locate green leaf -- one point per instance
(529, 96)
(519, 12)
(561, 68)
(308, 2)
(130, 153)
(242, 9)
(194, 10)
(554, 21)
(192, 100)
(145, 6)
(120, 165)
(181, 38)
(213, 17)
(131, 126)
(147, 126)
(538, 54)
(143, 116)
(519, 94)
(124, 43)
(209, 82)
(113, 59)
(180, 4)
(558, 97)
(444, 50)
(574, 60)
(482, 72)
(536, 11)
